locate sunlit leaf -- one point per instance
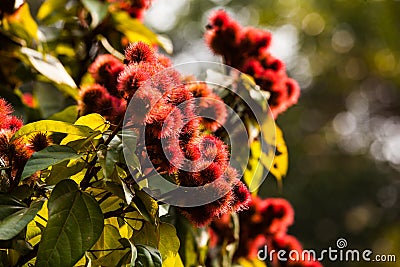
(65, 50)
(75, 223)
(110, 249)
(53, 126)
(50, 6)
(169, 244)
(22, 20)
(254, 171)
(50, 67)
(13, 224)
(178, 261)
(244, 262)
(33, 233)
(133, 222)
(36, 226)
(106, 248)
(94, 121)
(277, 163)
(128, 194)
(136, 31)
(147, 235)
(46, 157)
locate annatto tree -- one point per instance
(112, 156)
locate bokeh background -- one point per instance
(344, 134)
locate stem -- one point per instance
(91, 171)
(107, 195)
(118, 212)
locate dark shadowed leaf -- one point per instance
(148, 257)
(11, 224)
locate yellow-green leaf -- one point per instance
(22, 21)
(254, 171)
(94, 121)
(108, 250)
(50, 6)
(251, 262)
(136, 31)
(277, 163)
(52, 126)
(169, 244)
(133, 222)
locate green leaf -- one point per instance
(97, 9)
(147, 235)
(51, 155)
(75, 224)
(22, 22)
(169, 244)
(129, 140)
(9, 204)
(93, 121)
(107, 250)
(134, 255)
(69, 114)
(254, 171)
(148, 257)
(146, 205)
(64, 170)
(49, 7)
(52, 126)
(50, 67)
(133, 222)
(277, 162)
(136, 31)
(128, 194)
(13, 224)
(109, 156)
(45, 93)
